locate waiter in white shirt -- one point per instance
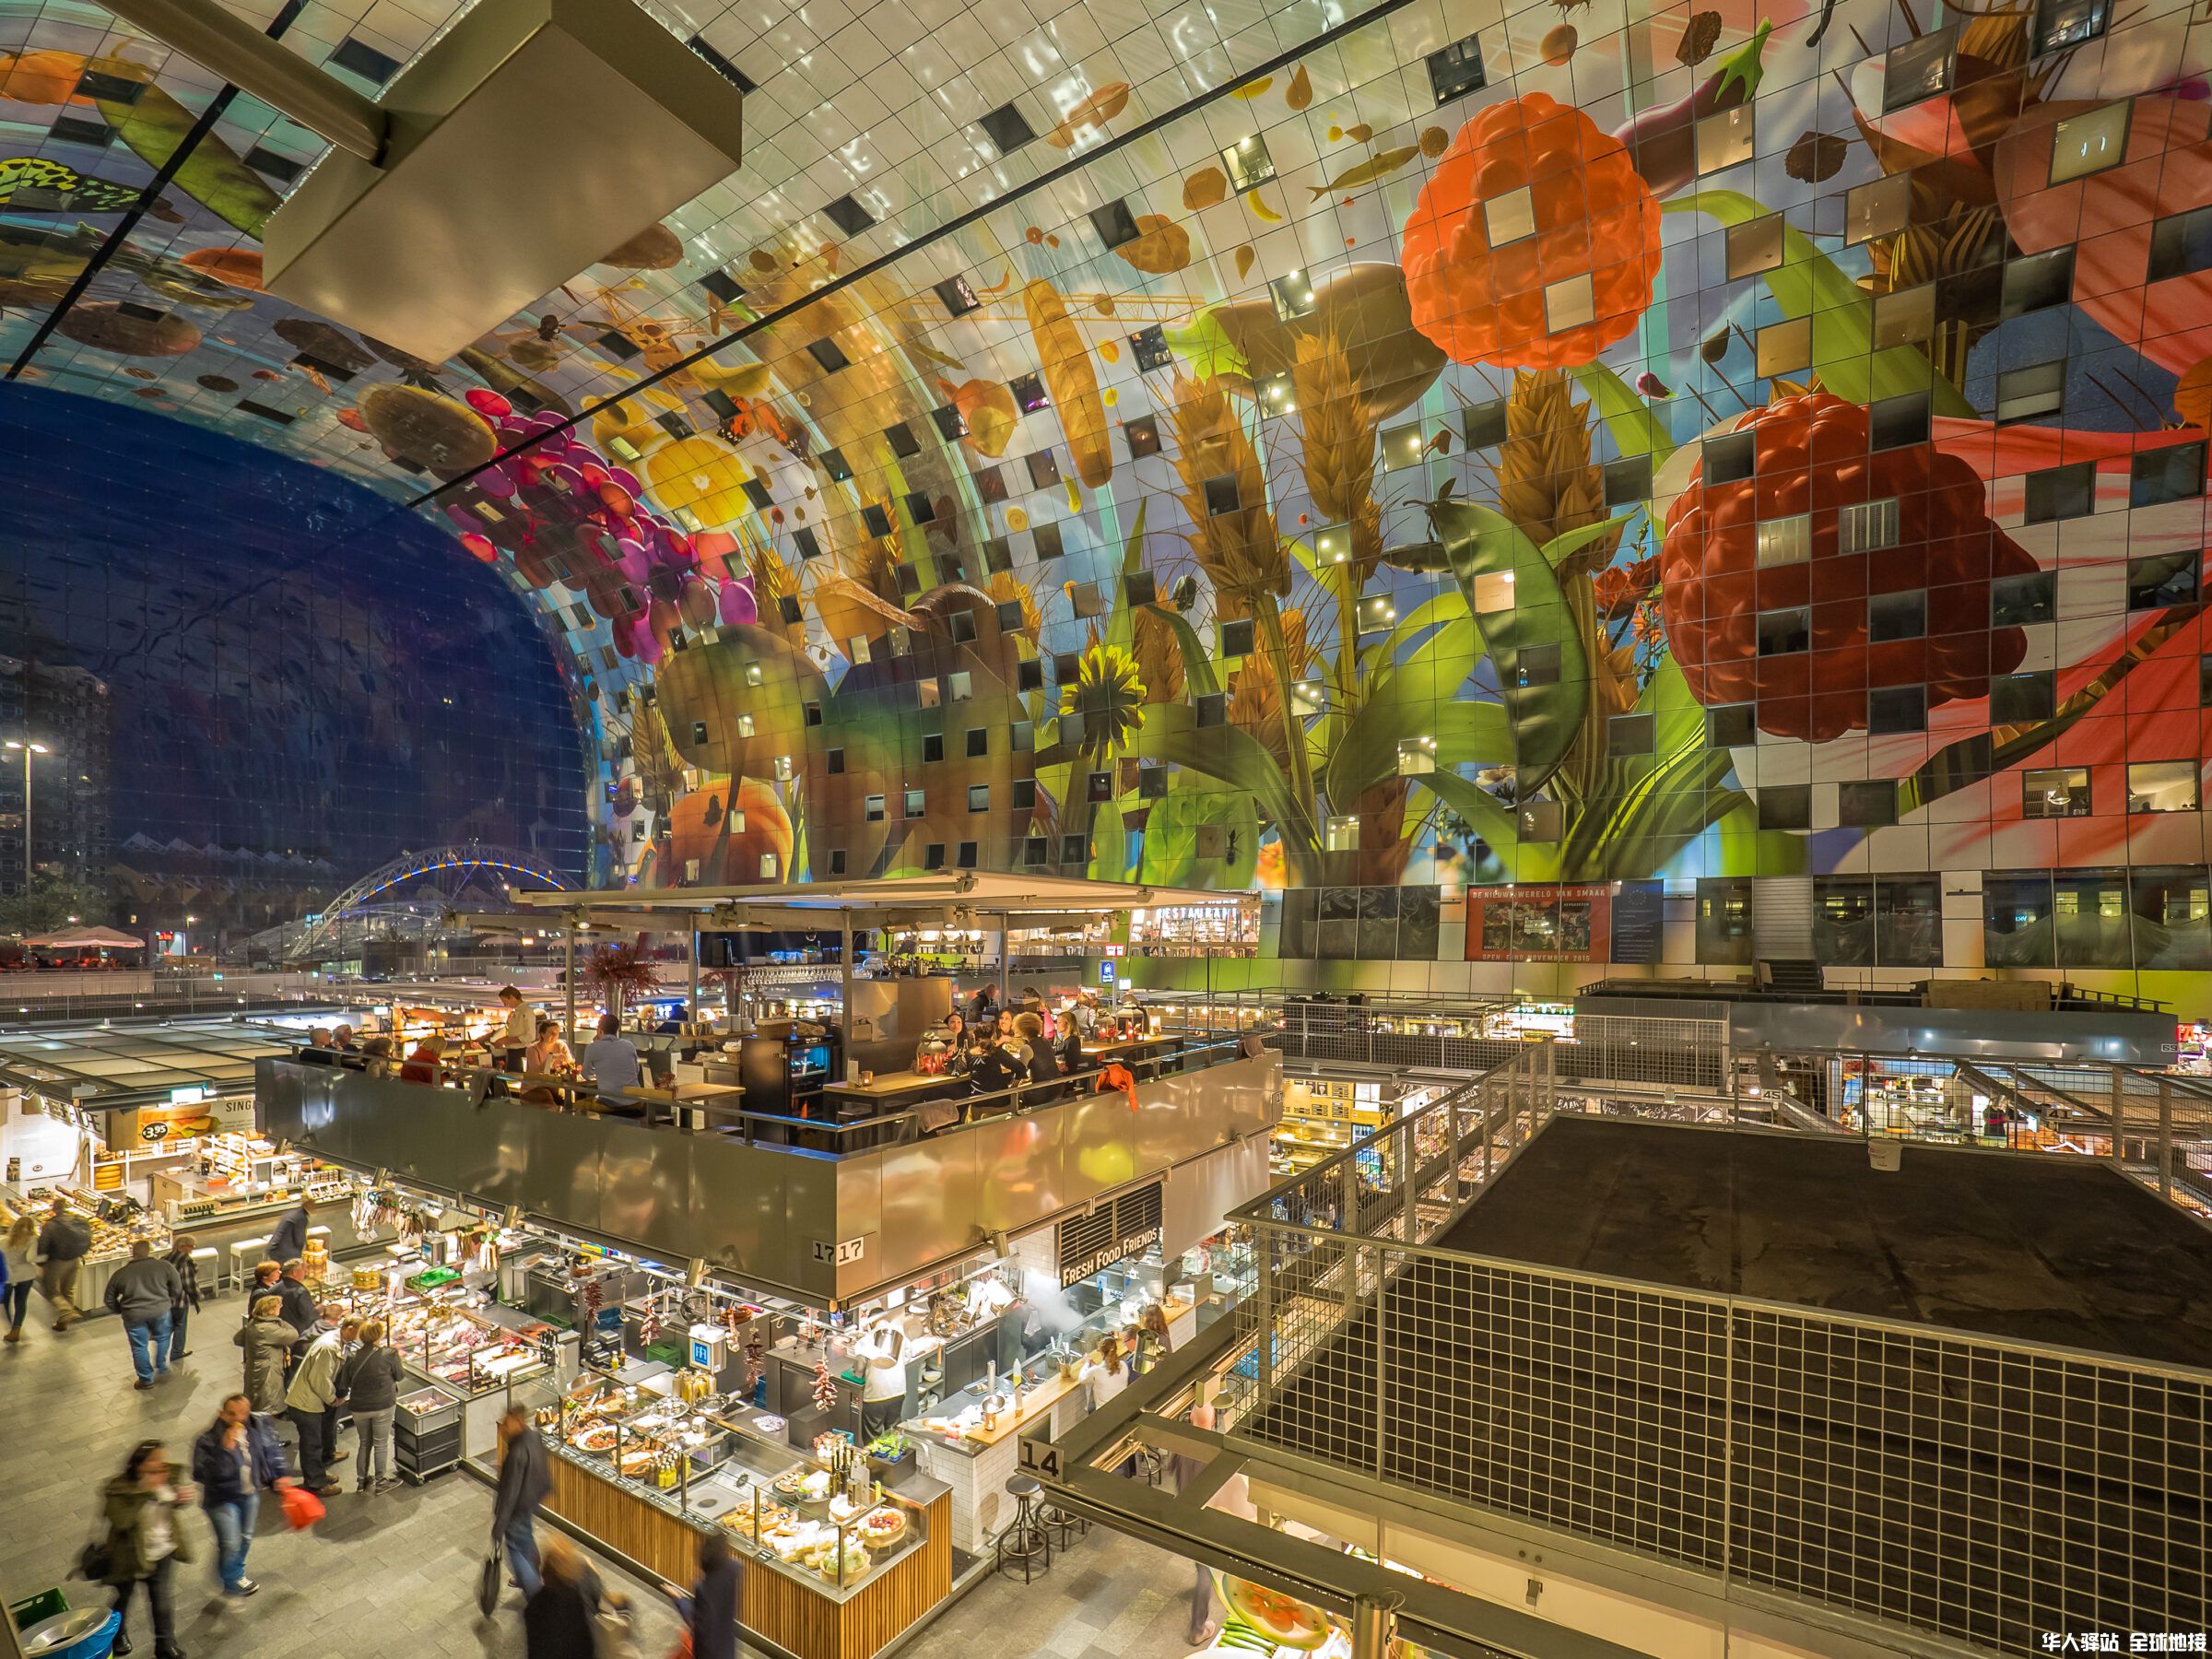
(882, 1357)
(519, 1032)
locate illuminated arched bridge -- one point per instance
(414, 892)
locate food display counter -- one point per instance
(840, 1567)
(115, 1223)
(238, 1188)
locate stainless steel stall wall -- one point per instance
(826, 1229)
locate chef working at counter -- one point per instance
(882, 1356)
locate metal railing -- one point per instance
(1981, 1489)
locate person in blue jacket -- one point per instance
(234, 1461)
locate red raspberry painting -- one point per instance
(1812, 459)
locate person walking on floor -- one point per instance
(526, 1482)
(21, 1256)
(370, 1380)
(188, 1301)
(142, 1293)
(289, 1239)
(236, 1459)
(145, 1540)
(266, 1339)
(62, 1244)
(709, 1612)
(561, 1620)
(311, 1400)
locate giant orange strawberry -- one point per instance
(1811, 458)
(1479, 258)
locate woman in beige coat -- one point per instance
(265, 1339)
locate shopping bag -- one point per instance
(302, 1509)
(488, 1585)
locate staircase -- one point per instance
(1798, 979)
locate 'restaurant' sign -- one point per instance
(1110, 1233)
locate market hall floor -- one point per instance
(396, 1575)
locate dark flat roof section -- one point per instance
(2043, 1248)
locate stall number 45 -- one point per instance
(1041, 1458)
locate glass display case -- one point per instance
(713, 1461)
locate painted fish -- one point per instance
(35, 184)
(1368, 171)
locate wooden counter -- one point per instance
(777, 1604)
(896, 1088)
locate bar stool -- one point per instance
(245, 1256)
(1069, 1525)
(1025, 1539)
(205, 1260)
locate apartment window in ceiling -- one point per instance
(833, 463)
(757, 493)
(2056, 791)
(957, 296)
(875, 519)
(1540, 822)
(2175, 472)
(837, 861)
(1904, 318)
(1628, 736)
(1785, 806)
(1483, 425)
(805, 541)
(2180, 245)
(919, 509)
(1785, 633)
(2162, 786)
(1277, 394)
(2028, 394)
(1456, 70)
(1538, 664)
(1897, 421)
(848, 215)
(357, 57)
(261, 158)
(1881, 208)
(2088, 143)
(2204, 682)
(837, 762)
(1725, 140)
(1403, 447)
(1866, 525)
(1892, 710)
(1569, 304)
(2156, 581)
(1628, 480)
(1897, 615)
(1754, 245)
(946, 417)
(1085, 600)
(2023, 698)
(871, 809)
(1029, 392)
(1731, 725)
(978, 743)
(1867, 806)
(1293, 296)
(1236, 638)
(2061, 492)
(1213, 709)
(2063, 23)
(2020, 601)
(1510, 217)
(2039, 282)
(991, 485)
(723, 286)
(1784, 541)
(1142, 435)
(1247, 163)
(1785, 348)
(1006, 128)
(1727, 458)
(1140, 587)
(1919, 69)
(1044, 469)
(979, 797)
(1115, 223)
(903, 442)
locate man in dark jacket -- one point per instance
(299, 1312)
(709, 1612)
(188, 1302)
(526, 1482)
(142, 1292)
(64, 1243)
(992, 1068)
(234, 1461)
(289, 1239)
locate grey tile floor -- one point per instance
(395, 1574)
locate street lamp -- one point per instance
(27, 750)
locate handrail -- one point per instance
(660, 1112)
